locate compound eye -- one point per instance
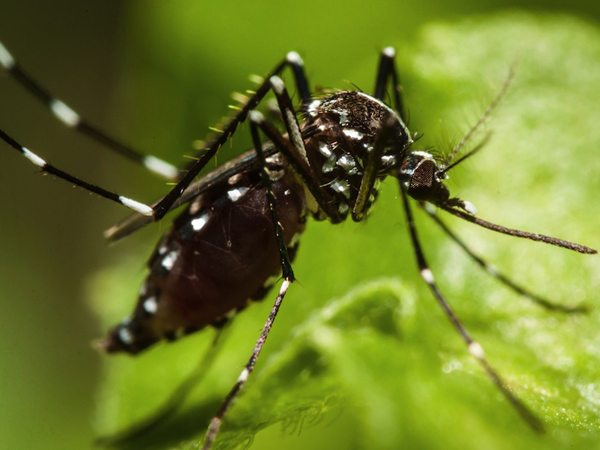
(422, 180)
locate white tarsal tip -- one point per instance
(243, 376)
(277, 84)
(33, 158)
(6, 59)
(160, 167)
(64, 113)
(476, 350)
(256, 116)
(294, 58)
(390, 52)
(136, 206)
(427, 275)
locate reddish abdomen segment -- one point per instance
(220, 254)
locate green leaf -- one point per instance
(379, 365)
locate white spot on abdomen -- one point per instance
(199, 222)
(169, 261)
(125, 336)
(150, 305)
(235, 194)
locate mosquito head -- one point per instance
(424, 177)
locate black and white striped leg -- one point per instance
(372, 168)
(215, 423)
(256, 118)
(215, 142)
(296, 64)
(475, 349)
(387, 69)
(294, 150)
(73, 120)
(134, 205)
(287, 272)
(489, 268)
(136, 221)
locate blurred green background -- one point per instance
(157, 74)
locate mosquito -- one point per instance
(325, 166)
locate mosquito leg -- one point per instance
(297, 66)
(288, 274)
(202, 184)
(475, 349)
(288, 277)
(73, 120)
(218, 138)
(387, 69)
(293, 148)
(374, 163)
(48, 168)
(215, 423)
(500, 277)
(215, 142)
(160, 209)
